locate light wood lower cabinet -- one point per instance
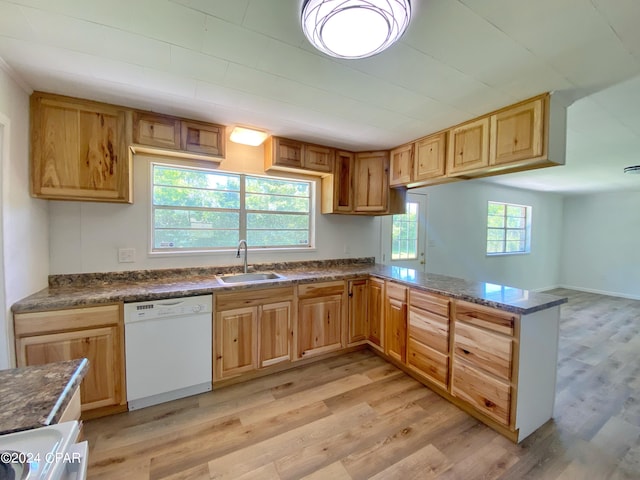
(358, 311)
(376, 312)
(252, 330)
(428, 348)
(95, 333)
(321, 318)
(395, 345)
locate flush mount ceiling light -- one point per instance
(635, 169)
(354, 28)
(248, 136)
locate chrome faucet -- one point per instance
(245, 253)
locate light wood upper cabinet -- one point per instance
(95, 333)
(155, 133)
(318, 158)
(79, 150)
(517, 133)
(430, 158)
(371, 182)
(295, 156)
(321, 318)
(400, 170)
(156, 130)
(202, 138)
(337, 189)
(468, 146)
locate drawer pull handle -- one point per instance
(489, 404)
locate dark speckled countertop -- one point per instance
(91, 289)
(32, 397)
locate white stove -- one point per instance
(46, 453)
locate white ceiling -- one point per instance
(247, 62)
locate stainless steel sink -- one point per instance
(249, 277)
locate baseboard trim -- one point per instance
(600, 292)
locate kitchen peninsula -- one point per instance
(490, 349)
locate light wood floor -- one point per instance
(357, 417)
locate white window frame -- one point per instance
(527, 229)
(152, 251)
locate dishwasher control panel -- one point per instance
(174, 307)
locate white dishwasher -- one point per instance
(168, 349)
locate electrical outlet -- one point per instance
(126, 255)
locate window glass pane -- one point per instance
(507, 228)
(276, 221)
(199, 209)
(404, 234)
(195, 219)
(269, 238)
(174, 238)
(494, 247)
(276, 204)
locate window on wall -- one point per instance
(198, 209)
(404, 234)
(508, 228)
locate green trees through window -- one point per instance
(196, 209)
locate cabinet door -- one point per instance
(469, 146)
(358, 314)
(401, 165)
(285, 152)
(517, 133)
(319, 325)
(376, 311)
(343, 182)
(274, 329)
(156, 130)
(371, 182)
(236, 342)
(202, 138)
(101, 387)
(396, 329)
(80, 150)
(318, 158)
(430, 157)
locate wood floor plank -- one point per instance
(424, 464)
(333, 471)
(242, 461)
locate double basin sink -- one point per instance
(248, 277)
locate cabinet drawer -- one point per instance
(489, 395)
(430, 329)
(399, 292)
(321, 289)
(496, 320)
(429, 302)
(38, 323)
(487, 350)
(428, 362)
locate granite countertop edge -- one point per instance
(20, 413)
(505, 298)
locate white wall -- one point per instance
(456, 231)
(85, 236)
(24, 219)
(601, 243)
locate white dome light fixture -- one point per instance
(354, 28)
